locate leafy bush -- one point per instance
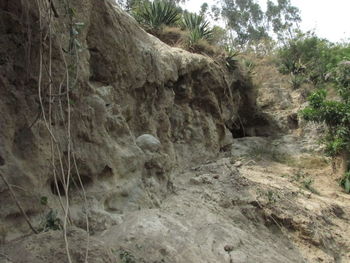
(157, 14)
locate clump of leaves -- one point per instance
(51, 222)
(157, 14)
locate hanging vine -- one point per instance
(54, 92)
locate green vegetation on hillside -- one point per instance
(335, 113)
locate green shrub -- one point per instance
(154, 15)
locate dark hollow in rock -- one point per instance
(74, 184)
(2, 161)
(238, 131)
(57, 189)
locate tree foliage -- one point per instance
(283, 18)
(245, 19)
(249, 23)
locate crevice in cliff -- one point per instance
(75, 184)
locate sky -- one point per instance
(329, 19)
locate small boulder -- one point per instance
(148, 142)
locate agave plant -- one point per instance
(197, 25)
(157, 14)
(231, 57)
(193, 37)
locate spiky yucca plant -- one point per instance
(231, 57)
(197, 25)
(157, 14)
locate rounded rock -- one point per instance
(148, 142)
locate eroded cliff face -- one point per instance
(140, 127)
(123, 83)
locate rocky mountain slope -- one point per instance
(151, 133)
